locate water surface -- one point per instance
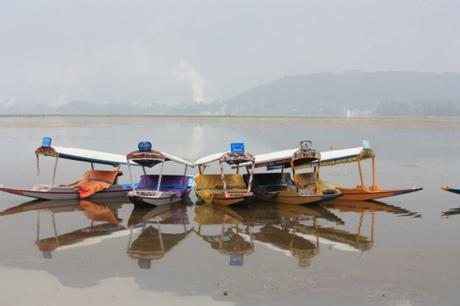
(402, 251)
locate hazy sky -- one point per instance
(181, 51)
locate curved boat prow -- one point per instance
(453, 190)
(367, 194)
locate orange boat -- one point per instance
(360, 192)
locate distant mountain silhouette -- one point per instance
(316, 94)
(377, 93)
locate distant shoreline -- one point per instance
(452, 118)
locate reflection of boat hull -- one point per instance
(65, 193)
(221, 199)
(294, 198)
(366, 194)
(454, 190)
(162, 198)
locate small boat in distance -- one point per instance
(225, 189)
(158, 189)
(94, 183)
(279, 187)
(453, 190)
(360, 192)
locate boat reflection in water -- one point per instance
(161, 228)
(231, 237)
(271, 225)
(296, 231)
(106, 213)
(451, 212)
(357, 240)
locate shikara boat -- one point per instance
(161, 189)
(300, 188)
(360, 192)
(94, 183)
(453, 190)
(225, 189)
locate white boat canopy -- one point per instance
(84, 155)
(334, 157)
(327, 158)
(209, 159)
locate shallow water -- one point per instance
(402, 251)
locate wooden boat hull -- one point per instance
(221, 199)
(453, 190)
(165, 198)
(57, 193)
(366, 194)
(294, 198)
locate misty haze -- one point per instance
(229, 152)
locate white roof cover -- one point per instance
(178, 159)
(209, 158)
(91, 156)
(327, 157)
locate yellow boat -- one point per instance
(225, 189)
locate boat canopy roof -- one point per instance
(334, 157)
(83, 155)
(151, 158)
(228, 157)
(327, 158)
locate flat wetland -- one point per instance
(400, 251)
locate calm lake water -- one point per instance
(402, 251)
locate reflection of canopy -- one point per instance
(152, 244)
(229, 243)
(283, 239)
(315, 211)
(52, 243)
(83, 155)
(356, 241)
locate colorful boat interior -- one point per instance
(173, 183)
(96, 180)
(209, 185)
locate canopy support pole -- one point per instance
(55, 169)
(222, 176)
(251, 176)
(317, 185)
(143, 170)
(92, 166)
(38, 168)
(360, 172)
(373, 226)
(293, 177)
(185, 170)
(131, 176)
(161, 176)
(374, 185)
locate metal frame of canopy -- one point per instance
(90, 156)
(294, 159)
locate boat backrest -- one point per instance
(214, 181)
(270, 179)
(167, 181)
(106, 176)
